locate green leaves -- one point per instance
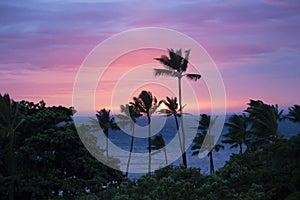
(166, 183)
(51, 160)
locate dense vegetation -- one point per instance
(42, 157)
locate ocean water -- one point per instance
(119, 144)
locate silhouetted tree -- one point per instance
(158, 143)
(238, 132)
(51, 160)
(199, 146)
(147, 103)
(176, 66)
(264, 120)
(173, 110)
(131, 113)
(10, 120)
(106, 122)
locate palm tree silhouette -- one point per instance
(147, 103)
(264, 120)
(176, 66)
(131, 113)
(106, 122)
(198, 142)
(10, 120)
(158, 143)
(294, 113)
(238, 132)
(172, 110)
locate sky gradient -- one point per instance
(255, 44)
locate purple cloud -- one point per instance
(245, 38)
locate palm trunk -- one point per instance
(241, 148)
(179, 136)
(212, 169)
(149, 143)
(130, 150)
(106, 134)
(166, 157)
(181, 124)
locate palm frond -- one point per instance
(233, 146)
(294, 113)
(165, 72)
(185, 61)
(195, 153)
(165, 111)
(168, 63)
(158, 142)
(218, 147)
(193, 77)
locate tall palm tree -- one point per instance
(198, 142)
(238, 132)
(147, 103)
(158, 143)
(106, 122)
(264, 120)
(294, 113)
(172, 110)
(176, 66)
(131, 113)
(10, 120)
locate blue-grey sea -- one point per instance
(120, 140)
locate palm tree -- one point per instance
(294, 113)
(158, 143)
(198, 142)
(264, 120)
(10, 120)
(106, 122)
(147, 103)
(238, 133)
(131, 113)
(172, 109)
(176, 66)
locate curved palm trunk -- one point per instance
(212, 168)
(181, 124)
(179, 136)
(149, 143)
(130, 150)
(106, 134)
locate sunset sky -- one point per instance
(255, 44)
